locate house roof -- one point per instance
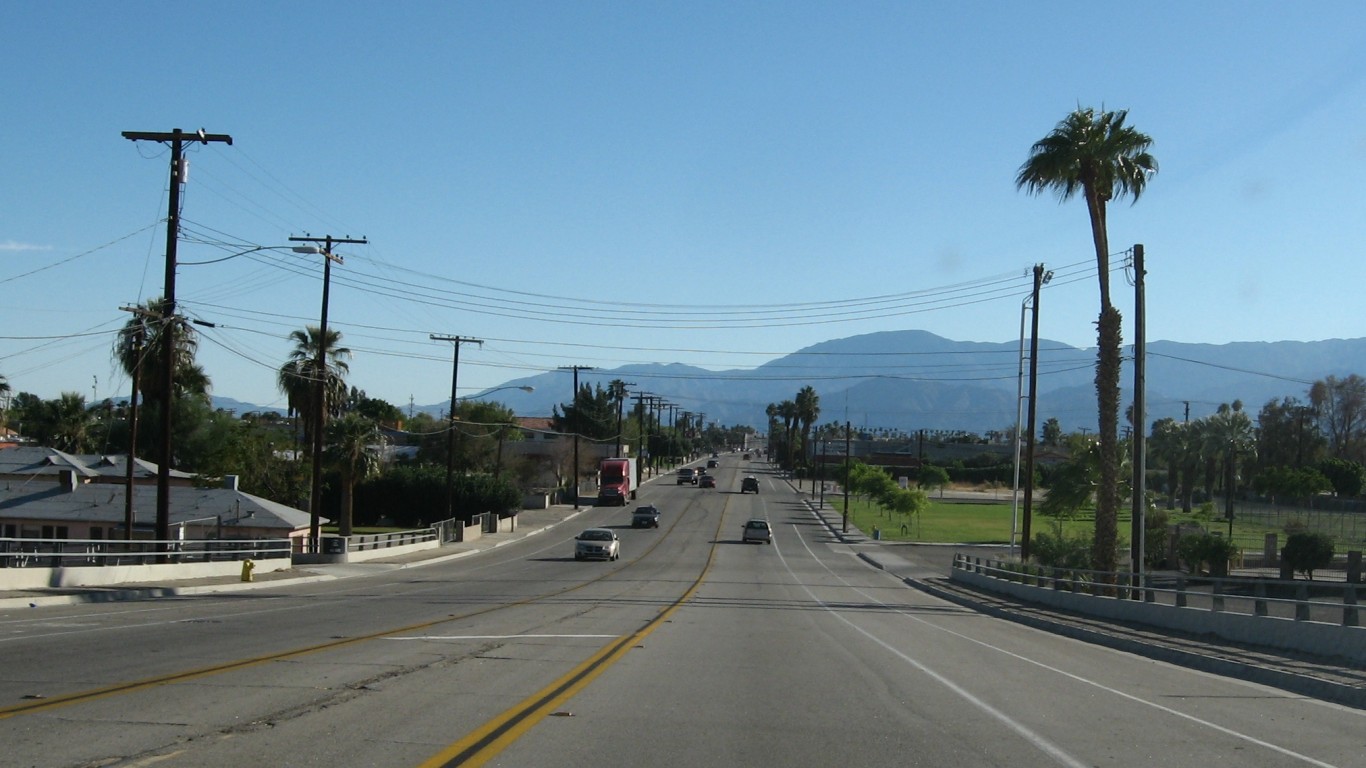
(104, 504)
(37, 460)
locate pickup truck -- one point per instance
(645, 517)
(687, 475)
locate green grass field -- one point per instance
(955, 522)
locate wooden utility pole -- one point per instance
(456, 341)
(315, 494)
(578, 420)
(1040, 278)
(179, 175)
(1138, 531)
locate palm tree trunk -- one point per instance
(1107, 397)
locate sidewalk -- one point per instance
(529, 523)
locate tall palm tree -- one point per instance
(808, 410)
(1096, 155)
(298, 377)
(787, 411)
(348, 449)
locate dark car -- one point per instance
(645, 517)
(707, 481)
(713, 463)
(750, 483)
(687, 476)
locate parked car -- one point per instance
(597, 544)
(706, 481)
(687, 475)
(645, 517)
(750, 483)
(757, 531)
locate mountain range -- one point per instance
(911, 380)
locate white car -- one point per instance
(757, 531)
(597, 544)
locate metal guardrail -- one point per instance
(369, 541)
(1320, 601)
(68, 553)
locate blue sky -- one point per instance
(709, 183)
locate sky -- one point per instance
(608, 183)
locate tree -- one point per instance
(1341, 408)
(298, 377)
(1346, 478)
(1230, 439)
(138, 348)
(348, 448)
(63, 423)
(931, 477)
(1099, 157)
(1051, 433)
(1288, 434)
(808, 405)
(787, 411)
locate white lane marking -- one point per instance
(496, 637)
(1070, 675)
(1038, 740)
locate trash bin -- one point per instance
(334, 545)
(877, 534)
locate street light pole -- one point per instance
(320, 373)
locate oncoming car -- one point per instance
(597, 544)
(750, 483)
(757, 531)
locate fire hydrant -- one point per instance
(247, 567)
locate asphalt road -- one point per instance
(692, 650)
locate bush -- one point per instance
(1308, 551)
(1061, 550)
(1206, 548)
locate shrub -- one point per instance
(1060, 550)
(1308, 551)
(1206, 548)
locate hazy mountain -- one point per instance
(912, 380)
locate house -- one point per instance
(50, 494)
(72, 509)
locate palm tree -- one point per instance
(1098, 156)
(298, 377)
(787, 411)
(808, 410)
(349, 439)
(1230, 440)
(138, 348)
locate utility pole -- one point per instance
(848, 468)
(643, 452)
(450, 427)
(620, 396)
(315, 495)
(1140, 503)
(1040, 279)
(578, 419)
(135, 347)
(179, 175)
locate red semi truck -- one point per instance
(616, 481)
